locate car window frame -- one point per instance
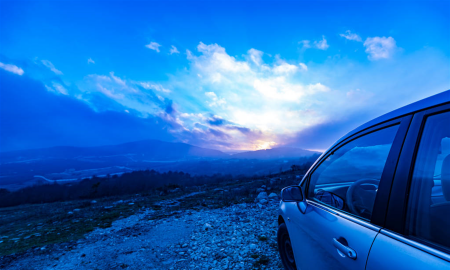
(382, 197)
(398, 204)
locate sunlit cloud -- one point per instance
(12, 68)
(90, 61)
(255, 102)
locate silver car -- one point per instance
(379, 198)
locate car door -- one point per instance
(337, 229)
(417, 233)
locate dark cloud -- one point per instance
(322, 136)
(241, 129)
(169, 107)
(32, 117)
(216, 121)
(220, 134)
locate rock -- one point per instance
(94, 201)
(262, 195)
(263, 187)
(273, 196)
(174, 190)
(207, 226)
(70, 213)
(259, 190)
(253, 246)
(263, 201)
(76, 210)
(242, 205)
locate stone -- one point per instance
(263, 201)
(207, 226)
(262, 195)
(273, 196)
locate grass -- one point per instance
(262, 260)
(262, 238)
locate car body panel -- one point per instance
(313, 244)
(391, 252)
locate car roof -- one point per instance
(420, 105)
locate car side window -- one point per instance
(348, 179)
(428, 214)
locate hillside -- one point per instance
(276, 153)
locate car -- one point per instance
(379, 198)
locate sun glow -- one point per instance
(263, 145)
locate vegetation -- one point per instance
(127, 183)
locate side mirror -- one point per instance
(292, 194)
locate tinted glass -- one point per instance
(353, 172)
(429, 198)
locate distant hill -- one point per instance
(67, 163)
(275, 153)
(151, 150)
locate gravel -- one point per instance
(241, 236)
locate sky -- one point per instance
(232, 76)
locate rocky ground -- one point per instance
(240, 236)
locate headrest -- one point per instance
(445, 177)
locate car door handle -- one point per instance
(344, 249)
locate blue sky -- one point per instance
(225, 75)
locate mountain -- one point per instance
(149, 150)
(67, 163)
(275, 153)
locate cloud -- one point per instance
(154, 86)
(303, 67)
(153, 46)
(90, 61)
(285, 68)
(117, 79)
(173, 50)
(242, 101)
(351, 36)
(147, 98)
(50, 65)
(322, 44)
(215, 101)
(255, 56)
(380, 47)
(57, 88)
(12, 68)
(305, 44)
(65, 120)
